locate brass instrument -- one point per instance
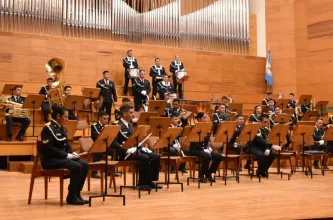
(54, 67)
(14, 109)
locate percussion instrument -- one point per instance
(181, 76)
(133, 73)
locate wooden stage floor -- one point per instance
(273, 198)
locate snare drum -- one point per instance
(172, 96)
(133, 73)
(181, 76)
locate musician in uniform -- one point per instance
(25, 122)
(108, 92)
(266, 100)
(224, 101)
(292, 102)
(263, 151)
(45, 104)
(149, 163)
(141, 90)
(176, 66)
(255, 117)
(129, 62)
(56, 153)
(206, 153)
(177, 110)
(156, 72)
(164, 87)
(219, 117)
(71, 115)
(271, 106)
(233, 144)
(124, 101)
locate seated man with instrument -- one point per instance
(233, 144)
(224, 101)
(71, 115)
(124, 101)
(156, 72)
(175, 67)
(129, 63)
(56, 153)
(206, 154)
(271, 106)
(177, 110)
(292, 102)
(46, 105)
(149, 163)
(255, 117)
(219, 117)
(164, 87)
(266, 100)
(16, 100)
(263, 151)
(141, 90)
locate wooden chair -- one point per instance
(37, 171)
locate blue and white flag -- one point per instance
(268, 71)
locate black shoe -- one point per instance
(172, 171)
(264, 175)
(202, 180)
(125, 93)
(210, 178)
(247, 166)
(81, 199)
(19, 138)
(183, 171)
(117, 174)
(9, 138)
(143, 187)
(95, 175)
(153, 185)
(74, 200)
(316, 166)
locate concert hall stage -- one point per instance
(273, 198)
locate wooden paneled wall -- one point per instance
(23, 57)
(299, 33)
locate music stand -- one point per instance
(303, 134)
(71, 128)
(264, 108)
(74, 102)
(226, 130)
(236, 107)
(282, 118)
(288, 111)
(308, 114)
(8, 88)
(159, 125)
(32, 102)
(157, 106)
(105, 138)
(321, 105)
(247, 135)
(91, 93)
(167, 139)
(197, 134)
(282, 103)
(274, 138)
(145, 116)
(138, 135)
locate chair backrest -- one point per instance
(151, 141)
(215, 145)
(86, 143)
(81, 125)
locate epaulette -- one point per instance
(115, 123)
(94, 124)
(47, 124)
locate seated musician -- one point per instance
(272, 122)
(224, 101)
(156, 72)
(177, 110)
(56, 153)
(305, 108)
(71, 115)
(271, 106)
(263, 151)
(219, 117)
(149, 165)
(206, 154)
(233, 144)
(176, 149)
(46, 105)
(164, 87)
(292, 102)
(141, 90)
(129, 62)
(255, 117)
(176, 66)
(25, 122)
(266, 100)
(117, 110)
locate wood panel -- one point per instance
(253, 35)
(86, 59)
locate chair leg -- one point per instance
(46, 185)
(32, 183)
(113, 180)
(165, 173)
(61, 190)
(177, 168)
(102, 181)
(124, 173)
(88, 179)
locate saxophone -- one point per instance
(14, 109)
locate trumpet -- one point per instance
(14, 109)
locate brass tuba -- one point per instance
(14, 109)
(54, 67)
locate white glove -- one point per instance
(235, 145)
(135, 120)
(321, 142)
(70, 156)
(143, 92)
(267, 152)
(147, 150)
(131, 150)
(276, 147)
(210, 149)
(159, 77)
(207, 151)
(176, 146)
(75, 155)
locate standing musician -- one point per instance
(124, 101)
(292, 102)
(108, 92)
(206, 153)
(266, 100)
(129, 62)
(224, 101)
(164, 87)
(71, 115)
(141, 90)
(25, 122)
(46, 105)
(156, 72)
(176, 66)
(177, 110)
(263, 151)
(255, 117)
(56, 153)
(219, 117)
(149, 163)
